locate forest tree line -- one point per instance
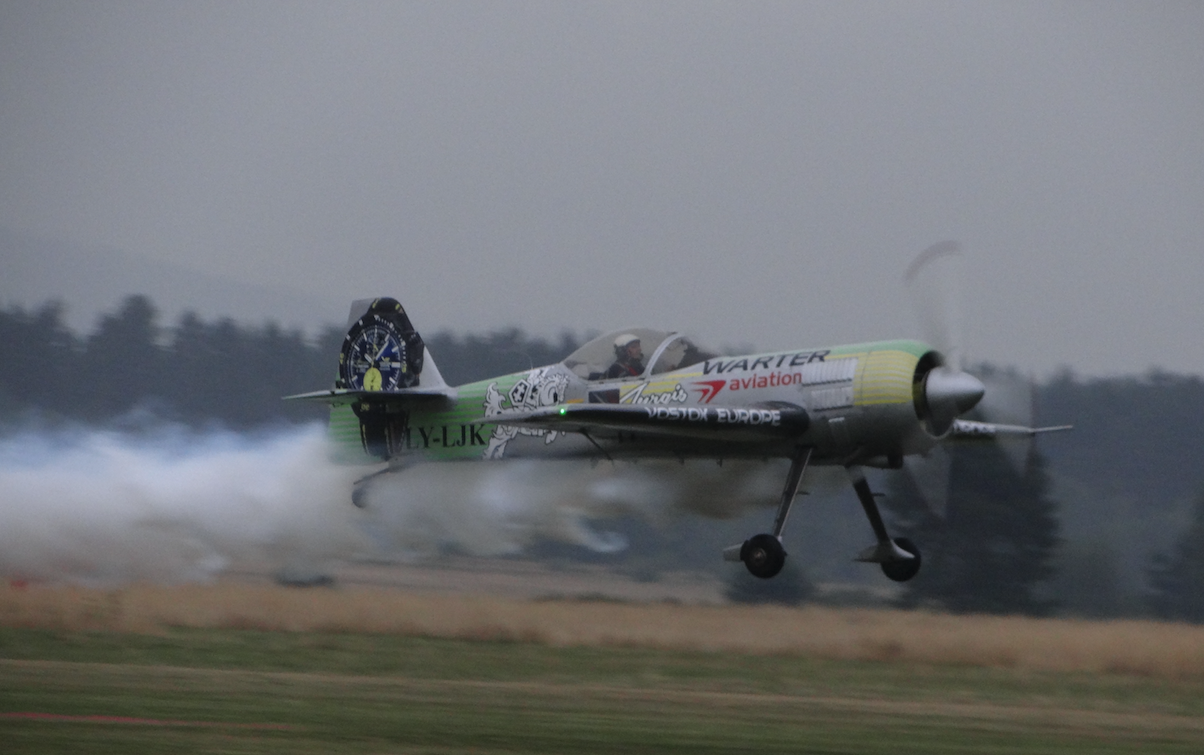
(204, 372)
(1136, 452)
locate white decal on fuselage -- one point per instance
(542, 387)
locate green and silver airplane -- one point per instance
(640, 393)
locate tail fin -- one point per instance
(383, 351)
(385, 372)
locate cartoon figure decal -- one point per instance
(542, 387)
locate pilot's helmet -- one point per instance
(623, 341)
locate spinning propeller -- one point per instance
(934, 280)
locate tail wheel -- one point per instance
(763, 555)
(901, 571)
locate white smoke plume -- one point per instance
(100, 508)
(501, 507)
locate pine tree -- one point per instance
(123, 362)
(1177, 578)
(995, 547)
(40, 354)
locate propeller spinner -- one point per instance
(947, 394)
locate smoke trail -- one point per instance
(99, 508)
(498, 508)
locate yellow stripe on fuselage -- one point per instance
(884, 378)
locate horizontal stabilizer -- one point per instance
(343, 396)
(708, 422)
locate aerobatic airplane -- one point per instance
(640, 393)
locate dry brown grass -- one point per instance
(1135, 647)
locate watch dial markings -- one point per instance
(374, 357)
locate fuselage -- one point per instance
(860, 401)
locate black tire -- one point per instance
(763, 555)
(901, 571)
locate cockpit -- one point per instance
(660, 351)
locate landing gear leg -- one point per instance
(763, 554)
(359, 489)
(899, 558)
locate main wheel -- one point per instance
(763, 555)
(901, 571)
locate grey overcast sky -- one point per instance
(752, 172)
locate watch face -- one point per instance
(374, 357)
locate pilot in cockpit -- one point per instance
(629, 357)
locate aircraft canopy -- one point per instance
(664, 351)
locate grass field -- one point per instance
(233, 669)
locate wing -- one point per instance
(745, 423)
